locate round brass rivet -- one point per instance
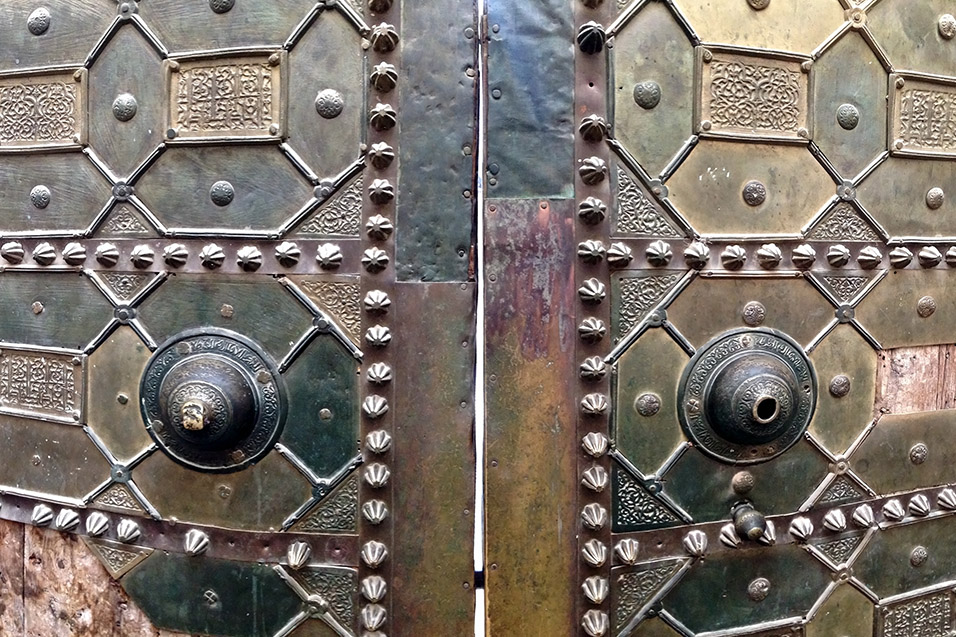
(754, 313)
(758, 589)
(221, 6)
(222, 193)
(124, 107)
(647, 94)
(742, 482)
(934, 198)
(37, 307)
(754, 193)
(227, 310)
(840, 385)
(39, 21)
(918, 556)
(918, 453)
(947, 26)
(848, 116)
(648, 404)
(122, 399)
(325, 414)
(926, 306)
(758, 5)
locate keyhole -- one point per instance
(766, 409)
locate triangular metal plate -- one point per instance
(117, 558)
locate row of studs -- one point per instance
(375, 259)
(212, 256)
(594, 381)
(768, 256)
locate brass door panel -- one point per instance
(237, 338)
(753, 216)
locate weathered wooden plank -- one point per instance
(531, 447)
(11, 578)
(67, 592)
(913, 379)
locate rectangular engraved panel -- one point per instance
(43, 110)
(922, 116)
(42, 383)
(222, 98)
(928, 615)
(746, 96)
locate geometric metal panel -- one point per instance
(209, 191)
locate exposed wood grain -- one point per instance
(911, 379)
(67, 592)
(11, 578)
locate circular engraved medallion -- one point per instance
(39, 21)
(926, 306)
(648, 404)
(329, 103)
(747, 396)
(754, 193)
(758, 5)
(212, 400)
(754, 313)
(222, 6)
(222, 193)
(647, 94)
(758, 589)
(124, 107)
(40, 197)
(947, 26)
(934, 198)
(918, 453)
(840, 385)
(848, 116)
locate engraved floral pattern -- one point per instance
(339, 298)
(123, 221)
(640, 295)
(39, 384)
(337, 513)
(754, 96)
(342, 215)
(839, 550)
(843, 223)
(636, 508)
(927, 119)
(225, 98)
(635, 212)
(119, 497)
(336, 587)
(125, 286)
(845, 287)
(636, 588)
(927, 616)
(842, 490)
(38, 112)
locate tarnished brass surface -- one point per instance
(741, 166)
(208, 208)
